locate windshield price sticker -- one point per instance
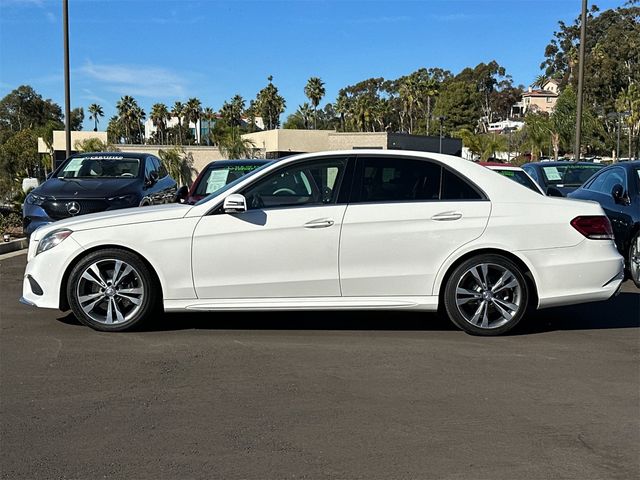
(217, 180)
(552, 173)
(242, 168)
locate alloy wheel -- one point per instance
(634, 259)
(488, 295)
(110, 291)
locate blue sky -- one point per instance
(168, 50)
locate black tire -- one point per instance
(492, 301)
(111, 304)
(633, 258)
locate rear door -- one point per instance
(405, 218)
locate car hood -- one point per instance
(112, 218)
(87, 188)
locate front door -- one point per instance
(284, 246)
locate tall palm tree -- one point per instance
(208, 114)
(126, 112)
(139, 116)
(192, 113)
(95, 112)
(159, 116)
(178, 111)
(305, 112)
(314, 90)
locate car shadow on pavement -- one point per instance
(622, 311)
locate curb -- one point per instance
(13, 245)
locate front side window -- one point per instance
(309, 183)
(149, 167)
(396, 179)
(100, 167)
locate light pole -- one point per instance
(442, 118)
(583, 36)
(67, 91)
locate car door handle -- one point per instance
(319, 223)
(447, 216)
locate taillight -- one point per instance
(595, 227)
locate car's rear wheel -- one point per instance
(111, 290)
(634, 259)
(486, 295)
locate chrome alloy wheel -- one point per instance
(110, 291)
(634, 259)
(488, 295)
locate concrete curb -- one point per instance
(13, 245)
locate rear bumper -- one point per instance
(591, 271)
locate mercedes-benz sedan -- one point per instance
(343, 230)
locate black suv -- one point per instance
(95, 182)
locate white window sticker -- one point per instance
(74, 165)
(217, 180)
(552, 173)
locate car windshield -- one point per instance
(574, 175)
(100, 167)
(520, 177)
(232, 184)
(214, 178)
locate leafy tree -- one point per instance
(95, 113)
(208, 115)
(129, 116)
(178, 111)
(270, 104)
(236, 147)
(19, 157)
(459, 106)
(93, 145)
(628, 105)
(160, 116)
(77, 117)
(25, 108)
(192, 113)
(314, 90)
(179, 164)
(538, 134)
(115, 130)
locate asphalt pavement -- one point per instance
(382, 395)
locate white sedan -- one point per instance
(365, 229)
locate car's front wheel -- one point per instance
(486, 295)
(111, 290)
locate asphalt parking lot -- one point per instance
(313, 395)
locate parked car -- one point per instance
(617, 189)
(516, 174)
(561, 177)
(219, 173)
(95, 182)
(362, 229)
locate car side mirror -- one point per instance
(182, 193)
(235, 203)
(617, 192)
(152, 179)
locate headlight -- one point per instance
(33, 199)
(52, 239)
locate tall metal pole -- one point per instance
(618, 143)
(583, 36)
(67, 90)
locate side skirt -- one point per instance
(426, 304)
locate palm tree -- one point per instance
(178, 111)
(305, 113)
(126, 108)
(539, 81)
(314, 90)
(208, 114)
(236, 147)
(139, 116)
(95, 112)
(342, 107)
(159, 116)
(192, 113)
(271, 104)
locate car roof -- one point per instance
(239, 162)
(506, 166)
(561, 162)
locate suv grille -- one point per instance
(59, 209)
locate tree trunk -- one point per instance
(428, 115)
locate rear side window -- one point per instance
(392, 179)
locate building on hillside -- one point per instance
(505, 126)
(538, 100)
(283, 142)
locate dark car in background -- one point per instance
(95, 182)
(617, 189)
(559, 178)
(218, 174)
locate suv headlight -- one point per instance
(33, 199)
(52, 239)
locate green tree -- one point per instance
(77, 117)
(19, 158)
(179, 164)
(178, 111)
(192, 113)
(25, 108)
(459, 106)
(270, 104)
(95, 113)
(93, 145)
(538, 134)
(236, 147)
(208, 115)
(314, 90)
(160, 116)
(128, 115)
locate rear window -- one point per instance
(217, 177)
(570, 175)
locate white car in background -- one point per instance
(361, 229)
